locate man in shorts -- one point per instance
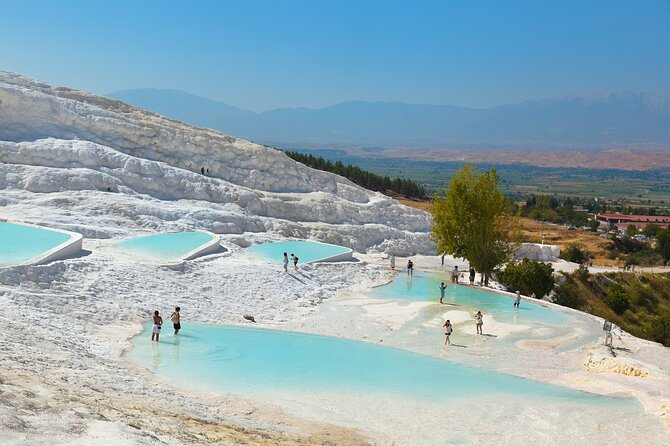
(156, 328)
(176, 320)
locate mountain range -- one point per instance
(598, 122)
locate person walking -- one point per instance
(176, 320)
(443, 288)
(517, 301)
(479, 321)
(472, 276)
(285, 262)
(156, 328)
(392, 261)
(448, 329)
(410, 268)
(295, 261)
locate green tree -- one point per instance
(575, 252)
(528, 277)
(651, 230)
(616, 299)
(631, 230)
(472, 220)
(663, 243)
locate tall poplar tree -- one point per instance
(472, 220)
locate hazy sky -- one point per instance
(265, 54)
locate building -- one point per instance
(622, 221)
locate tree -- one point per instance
(631, 230)
(651, 230)
(663, 243)
(616, 299)
(528, 277)
(575, 252)
(472, 220)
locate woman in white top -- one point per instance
(448, 329)
(479, 320)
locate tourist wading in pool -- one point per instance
(156, 329)
(410, 268)
(443, 288)
(176, 320)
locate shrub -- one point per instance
(575, 252)
(568, 295)
(582, 273)
(616, 299)
(658, 329)
(528, 277)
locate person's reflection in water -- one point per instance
(175, 349)
(156, 355)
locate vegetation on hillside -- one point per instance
(364, 178)
(472, 220)
(529, 277)
(638, 303)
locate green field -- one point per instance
(518, 181)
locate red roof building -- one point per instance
(623, 220)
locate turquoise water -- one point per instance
(255, 361)
(167, 247)
(305, 250)
(21, 243)
(426, 287)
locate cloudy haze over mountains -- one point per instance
(621, 118)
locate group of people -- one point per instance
(294, 258)
(175, 317)
(479, 317)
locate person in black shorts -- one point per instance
(176, 320)
(295, 261)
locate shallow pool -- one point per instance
(21, 243)
(307, 251)
(255, 361)
(426, 287)
(168, 247)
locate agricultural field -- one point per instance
(518, 181)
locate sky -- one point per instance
(265, 54)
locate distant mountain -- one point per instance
(598, 122)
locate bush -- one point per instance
(646, 257)
(568, 295)
(582, 273)
(576, 253)
(658, 329)
(528, 277)
(616, 299)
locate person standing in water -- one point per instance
(479, 321)
(285, 262)
(176, 320)
(454, 274)
(410, 268)
(156, 329)
(448, 329)
(443, 288)
(392, 261)
(472, 276)
(517, 301)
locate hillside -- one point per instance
(79, 153)
(638, 303)
(620, 118)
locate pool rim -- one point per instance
(342, 257)
(208, 247)
(69, 247)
